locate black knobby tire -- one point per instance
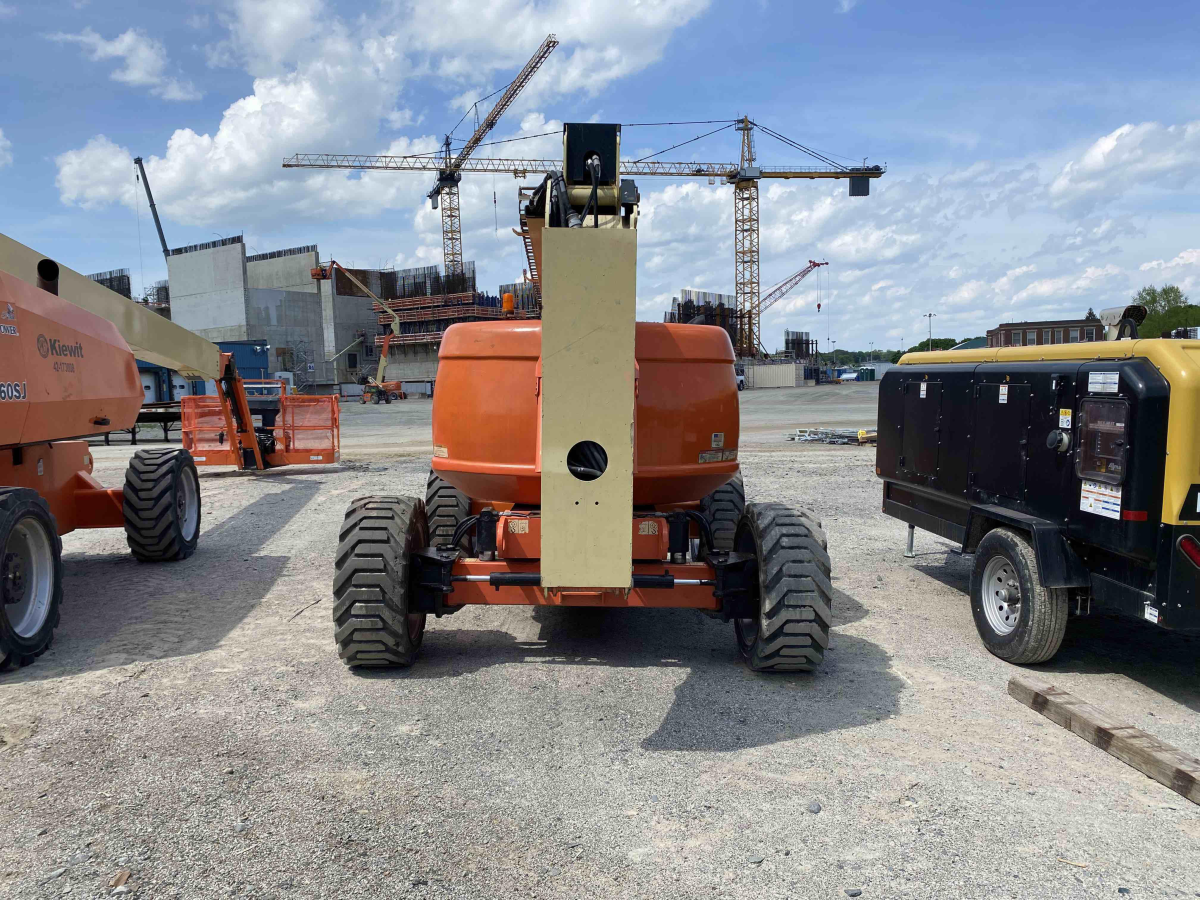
(30, 577)
(375, 398)
(372, 623)
(387, 398)
(445, 507)
(1040, 620)
(723, 509)
(393, 395)
(791, 631)
(162, 505)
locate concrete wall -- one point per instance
(342, 318)
(412, 363)
(290, 319)
(290, 273)
(208, 292)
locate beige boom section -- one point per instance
(151, 337)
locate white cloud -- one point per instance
(6, 11)
(332, 88)
(1131, 157)
(1186, 258)
(144, 61)
(1067, 284)
(6, 156)
(844, 6)
(96, 175)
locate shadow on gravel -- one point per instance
(1164, 661)
(720, 705)
(117, 611)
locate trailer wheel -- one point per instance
(162, 505)
(372, 624)
(1017, 618)
(791, 631)
(445, 507)
(30, 577)
(722, 509)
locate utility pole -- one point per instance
(930, 317)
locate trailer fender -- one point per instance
(1059, 566)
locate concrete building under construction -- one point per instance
(326, 333)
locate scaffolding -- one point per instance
(115, 280)
(706, 308)
(419, 304)
(799, 345)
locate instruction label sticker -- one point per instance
(1100, 499)
(1004, 393)
(10, 330)
(1151, 614)
(923, 386)
(518, 526)
(1103, 382)
(718, 439)
(1064, 418)
(648, 526)
(440, 451)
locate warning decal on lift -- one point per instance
(1151, 614)
(1004, 393)
(1100, 499)
(923, 390)
(1103, 382)
(1064, 418)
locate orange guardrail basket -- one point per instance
(292, 429)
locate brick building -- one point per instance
(1062, 331)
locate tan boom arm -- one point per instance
(151, 337)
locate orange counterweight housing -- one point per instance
(487, 412)
(64, 372)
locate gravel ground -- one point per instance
(193, 725)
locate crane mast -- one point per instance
(744, 176)
(153, 209)
(445, 189)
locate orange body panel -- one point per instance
(487, 416)
(64, 372)
(61, 473)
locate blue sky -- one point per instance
(1041, 157)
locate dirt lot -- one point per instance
(193, 724)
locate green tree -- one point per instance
(1167, 308)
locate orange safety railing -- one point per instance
(307, 429)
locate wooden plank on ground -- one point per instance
(1165, 764)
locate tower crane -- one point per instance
(743, 175)
(449, 168)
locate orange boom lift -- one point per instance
(584, 460)
(67, 373)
